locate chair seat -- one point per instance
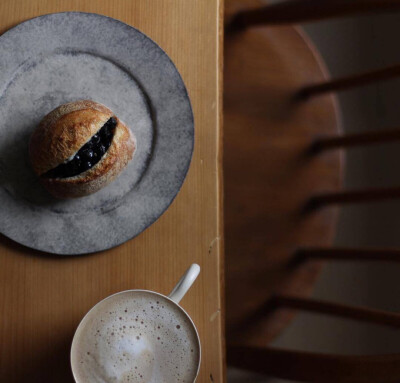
(270, 174)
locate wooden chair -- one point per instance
(283, 185)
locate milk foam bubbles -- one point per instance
(135, 336)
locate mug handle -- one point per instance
(184, 283)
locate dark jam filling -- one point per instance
(88, 155)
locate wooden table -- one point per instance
(43, 297)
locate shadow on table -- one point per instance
(26, 251)
(49, 363)
(15, 247)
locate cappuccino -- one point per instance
(136, 336)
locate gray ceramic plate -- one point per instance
(57, 58)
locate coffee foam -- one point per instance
(135, 336)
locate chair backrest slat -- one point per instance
(349, 82)
(300, 11)
(356, 139)
(360, 314)
(346, 254)
(354, 196)
(316, 367)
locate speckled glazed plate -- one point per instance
(57, 58)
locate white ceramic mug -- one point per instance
(138, 335)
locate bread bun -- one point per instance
(79, 148)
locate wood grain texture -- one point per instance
(43, 297)
(270, 174)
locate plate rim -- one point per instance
(184, 172)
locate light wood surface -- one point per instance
(270, 174)
(43, 297)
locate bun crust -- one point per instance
(63, 132)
